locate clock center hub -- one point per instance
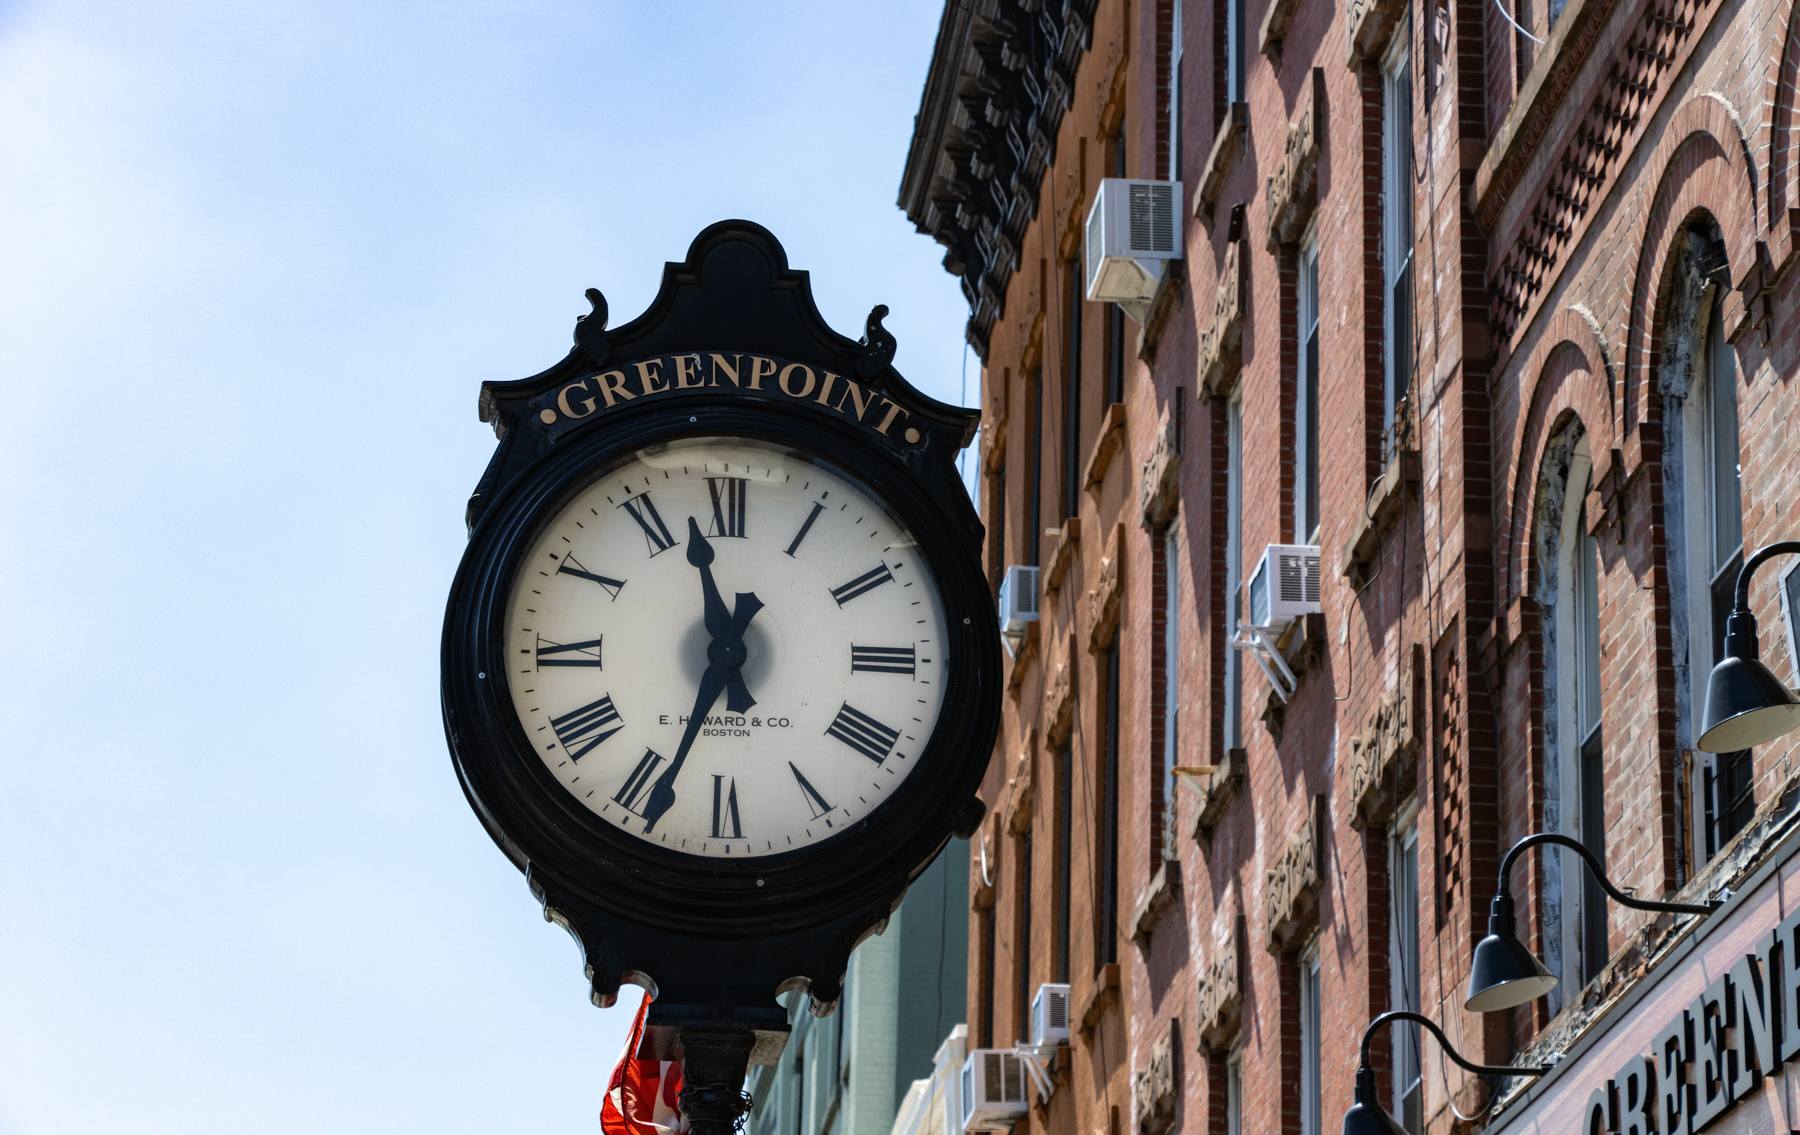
(730, 653)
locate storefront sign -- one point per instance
(1701, 1046)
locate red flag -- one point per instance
(643, 1096)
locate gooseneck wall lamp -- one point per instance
(1367, 1117)
(1503, 973)
(1746, 704)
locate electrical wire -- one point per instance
(1507, 16)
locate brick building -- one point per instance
(1489, 301)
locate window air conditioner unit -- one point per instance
(993, 1090)
(1018, 599)
(1132, 228)
(1050, 1015)
(1285, 585)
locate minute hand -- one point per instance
(662, 793)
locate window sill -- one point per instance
(1385, 505)
(1227, 148)
(1159, 896)
(1102, 994)
(1221, 789)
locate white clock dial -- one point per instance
(819, 670)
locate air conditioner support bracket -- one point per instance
(1037, 1064)
(1259, 642)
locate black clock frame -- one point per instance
(717, 938)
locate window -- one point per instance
(1065, 853)
(1234, 1093)
(1072, 398)
(1403, 947)
(1115, 315)
(1705, 542)
(1107, 925)
(1311, 1114)
(1234, 51)
(987, 975)
(1022, 1007)
(1175, 94)
(1234, 582)
(1306, 424)
(1572, 710)
(1715, 542)
(1035, 531)
(1397, 223)
(1171, 677)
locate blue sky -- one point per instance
(255, 261)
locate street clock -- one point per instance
(720, 665)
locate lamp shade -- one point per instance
(1503, 973)
(1366, 1116)
(1746, 706)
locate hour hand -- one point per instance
(700, 554)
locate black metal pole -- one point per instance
(713, 1064)
(1593, 865)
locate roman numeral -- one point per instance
(637, 786)
(572, 566)
(805, 527)
(728, 505)
(863, 733)
(813, 800)
(656, 533)
(868, 581)
(882, 659)
(578, 653)
(725, 810)
(586, 727)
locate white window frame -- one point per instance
(1575, 611)
(1175, 94)
(1705, 564)
(1396, 206)
(1312, 1114)
(1788, 584)
(1403, 935)
(1306, 290)
(1234, 567)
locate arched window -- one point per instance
(1704, 525)
(1574, 780)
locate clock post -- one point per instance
(720, 666)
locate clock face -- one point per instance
(726, 648)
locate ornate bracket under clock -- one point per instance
(720, 666)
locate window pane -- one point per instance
(1234, 611)
(1310, 1110)
(1594, 951)
(1588, 628)
(1404, 923)
(1727, 502)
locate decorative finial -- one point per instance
(878, 344)
(590, 330)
